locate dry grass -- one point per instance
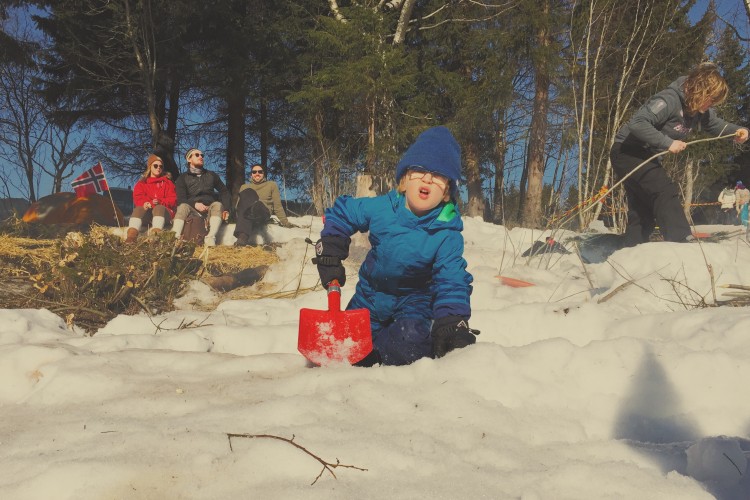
(227, 260)
(24, 256)
(23, 260)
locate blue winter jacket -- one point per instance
(410, 255)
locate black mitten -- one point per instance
(451, 332)
(331, 252)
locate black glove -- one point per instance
(331, 251)
(451, 332)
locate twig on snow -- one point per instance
(327, 466)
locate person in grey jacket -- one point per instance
(663, 124)
(201, 191)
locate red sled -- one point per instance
(334, 336)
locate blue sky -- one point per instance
(732, 11)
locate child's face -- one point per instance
(424, 191)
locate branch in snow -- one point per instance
(327, 466)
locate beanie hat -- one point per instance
(435, 150)
(190, 152)
(740, 185)
(151, 159)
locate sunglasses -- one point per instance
(257, 171)
(197, 154)
(157, 165)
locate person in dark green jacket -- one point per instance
(258, 201)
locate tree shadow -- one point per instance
(652, 413)
(653, 423)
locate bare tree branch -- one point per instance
(327, 466)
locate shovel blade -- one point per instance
(327, 337)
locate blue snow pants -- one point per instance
(400, 324)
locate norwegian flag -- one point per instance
(90, 182)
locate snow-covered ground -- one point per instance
(580, 387)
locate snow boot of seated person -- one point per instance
(132, 235)
(242, 240)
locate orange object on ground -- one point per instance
(513, 282)
(67, 208)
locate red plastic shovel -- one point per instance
(334, 336)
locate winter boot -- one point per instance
(371, 359)
(132, 235)
(242, 240)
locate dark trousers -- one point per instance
(729, 216)
(652, 197)
(252, 214)
(401, 325)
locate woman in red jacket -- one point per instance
(154, 197)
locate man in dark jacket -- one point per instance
(200, 191)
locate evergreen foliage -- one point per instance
(318, 92)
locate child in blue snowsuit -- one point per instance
(414, 280)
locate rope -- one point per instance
(607, 191)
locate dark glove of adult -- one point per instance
(451, 332)
(331, 251)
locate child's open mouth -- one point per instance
(424, 192)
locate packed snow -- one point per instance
(615, 379)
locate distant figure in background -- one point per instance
(154, 199)
(201, 191)
(727, 199)
(663, 124)
(742, 196)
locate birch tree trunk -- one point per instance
(646, 34)
(688, 187)
(403, 22)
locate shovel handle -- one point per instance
(334, 296)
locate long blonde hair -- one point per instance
(704, 83)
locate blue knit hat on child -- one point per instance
(435, 150)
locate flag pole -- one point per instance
(111, 199)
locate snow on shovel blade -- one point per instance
(334, 336)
